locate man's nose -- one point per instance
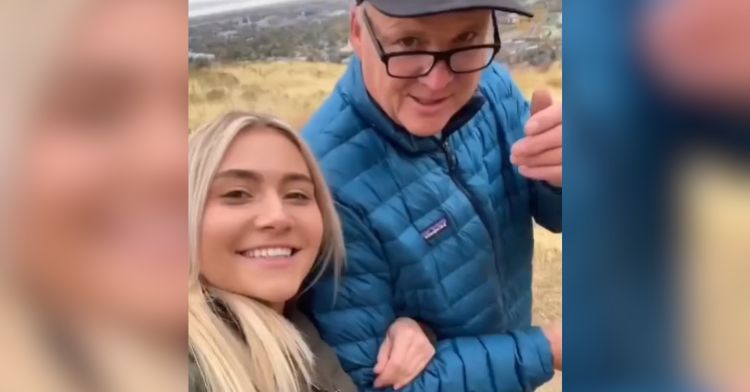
(272, 214)
(440, 76)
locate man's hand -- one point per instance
(539, 154)
(555, 337)
(405, 352)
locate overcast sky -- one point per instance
(207, 7)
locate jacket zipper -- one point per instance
(452, 165)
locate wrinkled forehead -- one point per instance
(436, 24)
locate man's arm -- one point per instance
(547, 206)
(518, 361)
(536, 153)
(354, 317)
(356, 322)
(546, 199)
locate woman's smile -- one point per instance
(277, 257)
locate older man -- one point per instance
(438, 166)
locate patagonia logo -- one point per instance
(435, 229)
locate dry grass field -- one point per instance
(293, 91)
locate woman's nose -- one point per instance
(272, 214)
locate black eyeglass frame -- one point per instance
(437, 56)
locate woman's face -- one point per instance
(102, 207)
(262, 227)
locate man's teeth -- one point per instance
(269, 252)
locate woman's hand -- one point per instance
(403, 355)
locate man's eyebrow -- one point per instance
(402, 27)
(469, 29)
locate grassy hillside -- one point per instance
(293, 90)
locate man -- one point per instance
(437, 175)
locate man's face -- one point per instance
(422, 105)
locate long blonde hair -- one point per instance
(270, 354)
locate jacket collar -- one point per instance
(354, 90)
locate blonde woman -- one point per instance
(262, 227)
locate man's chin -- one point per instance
(421, 127)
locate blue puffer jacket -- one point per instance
(439, 231)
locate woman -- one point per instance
(98, 198)
(261, 223)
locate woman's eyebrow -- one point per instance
(297, 177)
(243, 174)
(239, 174)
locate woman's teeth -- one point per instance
(268, 252)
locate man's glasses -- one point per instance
(418, 63)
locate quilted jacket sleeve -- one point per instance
(546, 200)
(547, 206)
(354, 317)
(356, 321)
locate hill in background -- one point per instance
(318, 31)
(293, 90)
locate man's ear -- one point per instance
(355, 31)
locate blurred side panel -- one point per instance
(636, 118)
(93, 195)
(716, 250)
(29, 40)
